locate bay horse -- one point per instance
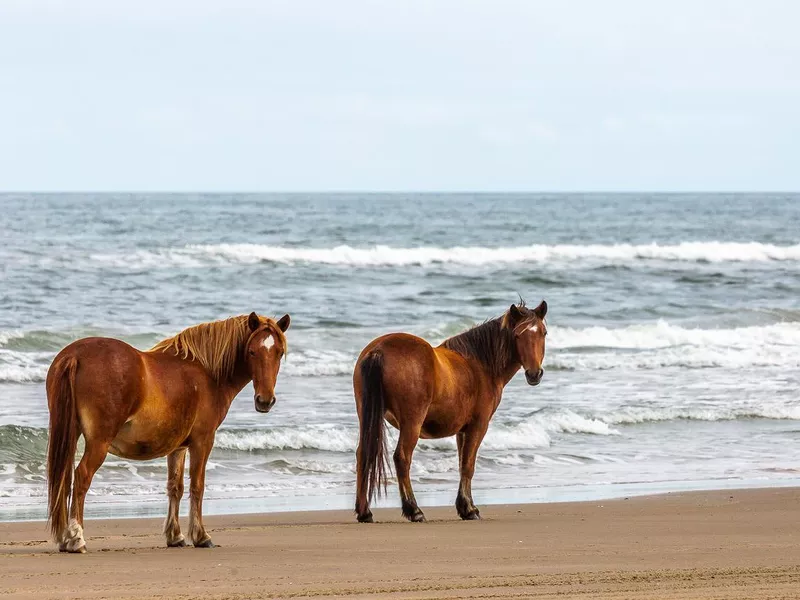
(144, 405)
(453, 389)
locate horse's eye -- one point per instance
(252, 352)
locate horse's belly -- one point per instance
(433, 429)
(141, 440)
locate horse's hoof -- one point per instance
(472, 516)
(206, 544)
(64, 548)
(417, 517)
(181, 543)
(365, 518)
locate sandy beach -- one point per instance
(720, 544)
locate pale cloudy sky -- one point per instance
(263, 95)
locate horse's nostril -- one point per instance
(259, 400)
(273, 401)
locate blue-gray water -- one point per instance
(673, 350)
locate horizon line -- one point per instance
(398, 192)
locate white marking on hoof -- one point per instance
(73, 539)
(268, 342)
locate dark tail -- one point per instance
(371, 476)
(62, 443)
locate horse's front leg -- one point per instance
(468, 442)
(172, 528)
(198, 457)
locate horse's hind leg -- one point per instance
(364, 514)
(172, 528)
(468, 443)
(94, 455)
(198, 457)
(409, 435)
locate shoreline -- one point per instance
(99, 509)
(710, 544)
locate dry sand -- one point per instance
(722, 544)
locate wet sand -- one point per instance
(721, 544)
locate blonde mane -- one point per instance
(217, 345)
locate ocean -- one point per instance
(673, 354)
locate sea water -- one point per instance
(673, 354)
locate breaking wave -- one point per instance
(192, 256)
(659, 344)
(644, 346)
(533, 432)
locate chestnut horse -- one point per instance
(453, 389)
(144, 405)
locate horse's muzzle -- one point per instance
(264, 406)
(534, 377)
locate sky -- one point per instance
(412, 95)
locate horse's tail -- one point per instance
(62, 443)
(372, 460)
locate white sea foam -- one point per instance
(310, 362)
(327, 438)
(656, 345)
(643, 346)
(632, 415)
(533, 432)
(192, 256)
(321, 466)
(661, 334)
(8, 335)
(23, 367)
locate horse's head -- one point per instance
(265, 348)
(529, 332)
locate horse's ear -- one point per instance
(515, 314)
(284, 322)
(541, 310)
(253, 321)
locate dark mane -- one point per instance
(489, 342)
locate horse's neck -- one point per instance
(231, 388)
(498, 382)
(239, 379)
(511, 368)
